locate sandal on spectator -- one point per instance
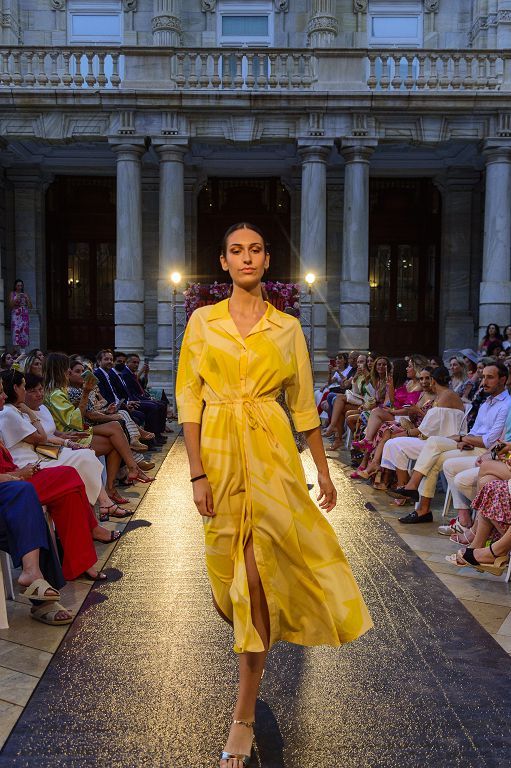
(100, 577)
(114, 535)
(47, 614)
(38, 589)
(118, 499)
(143, 478)
(464, 557)
(110, 512)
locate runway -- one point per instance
(145, 677)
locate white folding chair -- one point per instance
(6, 571)
(447, 502)
(508, 574)
(349, 438)
(4, 624)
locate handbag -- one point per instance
(48, 450)
(352, 398)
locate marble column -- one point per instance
(129, 282)
(495, 292)
(29, 246)
(313, 236)
(355, 291)
(456, 313)
(171, 237)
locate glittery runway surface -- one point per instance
(145, 677)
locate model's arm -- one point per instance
(327, 496)
(202, 494)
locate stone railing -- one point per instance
(269, 69)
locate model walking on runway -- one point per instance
(276, 569)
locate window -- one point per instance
(398, 24)
(94, 22)
(245, 24)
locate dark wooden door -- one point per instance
(81, 264)
(404, 263)
(263, 202)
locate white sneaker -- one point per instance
(453, 527)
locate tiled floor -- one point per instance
(487, 597)
(26, 648)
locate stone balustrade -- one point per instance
(214, 69)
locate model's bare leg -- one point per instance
(251, 666)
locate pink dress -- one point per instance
(19, 320)
(494, 501)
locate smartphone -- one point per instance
(146, 361)
(86, 375)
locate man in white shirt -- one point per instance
(487, 430)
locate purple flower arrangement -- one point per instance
(283, 296)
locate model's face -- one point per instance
(245, 258)
(425, 381)
(107, 361)
(75, 375)
(36, 367)
(34, 397)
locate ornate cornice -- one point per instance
(490, 20)
(327, 24)
(129, 5)
(167, 23)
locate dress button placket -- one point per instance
(243, 370)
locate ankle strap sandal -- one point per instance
(245, 759)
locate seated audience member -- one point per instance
(25, 535)
(494, 349)
(459, 376)
(6, 361)
(406, 424)
(114, 390)
(334, 381)
(33, 363)
(354, 396)
(157, 408)
(97, 411)
(465, 484)
(436, 362)
(486, 431)
(106, 440)
(443, 419)
(493, 524)
(62, 491)
(474, 382)
(506, 338)
(492, 334)
(375, 395)
(71, 453)
(402, 392)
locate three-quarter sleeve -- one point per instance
(189, 382)
(300, 390)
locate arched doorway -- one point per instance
(263, 202)
(404, 265)
(80, 241)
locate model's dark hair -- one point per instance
(497, 332)
(441, 375)
(499, 365)
(243, 225)
(10, 379)
(399, 376)
(32, 380)
(16, 283)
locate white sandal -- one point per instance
(37, 591)
(245, 759)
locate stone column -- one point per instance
(495, 293)
(166, 23)
(171, 238)
(323, 26)
(29, 246)
(129, 283)
(456, 318)
(355, 291)
(313, 236)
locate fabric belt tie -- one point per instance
(253, 413)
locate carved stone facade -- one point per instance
(323, 25)
(166, 23)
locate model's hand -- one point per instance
(203, 497)
(327, 496)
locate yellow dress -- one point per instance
(229, 385)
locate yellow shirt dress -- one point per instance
(229, 385)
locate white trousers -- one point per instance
(398, 451)
(435, 452)
(461, 474)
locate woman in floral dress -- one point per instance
(20, 303)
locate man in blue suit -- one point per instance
(112, 388)
(155, 413)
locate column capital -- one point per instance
(497, 151)
(314, 153)
(171, 153)
(357, 151)
(128, 150)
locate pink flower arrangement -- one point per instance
(283, 296)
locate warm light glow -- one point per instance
(176, 278)
(310, 278)
(373, 284)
